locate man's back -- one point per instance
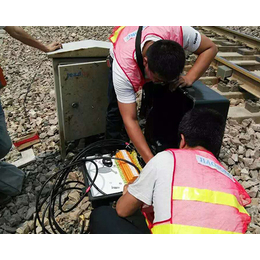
(191, 192)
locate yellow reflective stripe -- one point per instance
(114, 37)
(209, 196)
(184, 229)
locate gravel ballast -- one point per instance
(249, 30)
(22, 64)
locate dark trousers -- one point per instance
(114, 123)
(104, 220)
(11, 178)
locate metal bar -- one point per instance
(250, 80)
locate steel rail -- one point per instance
(250, 80)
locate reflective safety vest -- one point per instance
(2, 79)
(206, 199)
(123, 39)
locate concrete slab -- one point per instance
(27, 157)
(246, 51)
(229, 54)
(227, 43)
(245, 62)
(229, 95)
(240, 113)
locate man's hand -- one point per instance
(183, 81)
(53, 46)
(128, 113)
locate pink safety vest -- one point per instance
(123, 39)
(206, 199)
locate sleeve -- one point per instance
(191, 38)
(143, 186)
(123, 88)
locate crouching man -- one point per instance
(188, 189)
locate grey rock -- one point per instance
(244, 171)
(22, 200)
(13, 209)
(254, 174)
(22, 211)
(235, 141)
(244, 137)
(7, 214)
(253, 192)
(249, 184)
(15, 220)
(230, 161)
(250, 145)
(234, 157)
(247, 122)
(30, 213)
(8, 228)
(248, 161)
(255, 165)
(241, 150)
(256, 127)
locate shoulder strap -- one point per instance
(139, 56)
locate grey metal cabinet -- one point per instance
(81, 82)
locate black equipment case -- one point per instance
(163, 111)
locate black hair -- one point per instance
(203, 127)
(166, 58)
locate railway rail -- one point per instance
(239, 58)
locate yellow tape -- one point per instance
(114, 37)
(183, 229)
(209, 196)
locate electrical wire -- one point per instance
(52, 204)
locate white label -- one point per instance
(207, 162)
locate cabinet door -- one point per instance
(83, 92)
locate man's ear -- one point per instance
(182, 142)
(145, 61)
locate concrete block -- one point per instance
(240, 113)
(245, 51)
(227, 43)
(223, 87)
(220, 38)
(229, 95)
(252, 106)
(224, 72)
(234, 88)
(27, 157)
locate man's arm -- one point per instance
(128, 113)
(206, 53)
(127, 205)
(141, 190)
(19, 34)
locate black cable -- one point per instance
(60, 184)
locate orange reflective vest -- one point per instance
(123, 39)
(206, 199)
(2, 79)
